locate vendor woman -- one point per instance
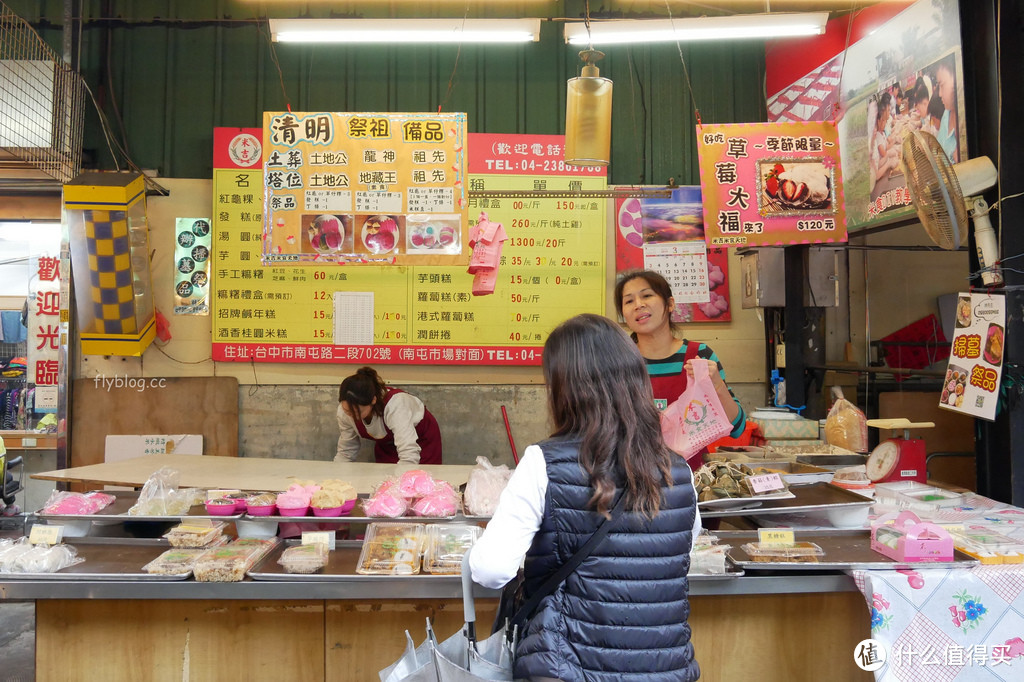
(644, 300)
(402, 428)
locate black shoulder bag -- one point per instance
(514, 610)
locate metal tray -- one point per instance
(809, 497)
(106, 561)
(731, 571)
(843, 551)
(341, 566)
(118, 511)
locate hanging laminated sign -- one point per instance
(192, 266)
(771, 184)
(364, 188)
(971, 385)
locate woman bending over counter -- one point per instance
(399, 424)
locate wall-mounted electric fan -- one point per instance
(946, 195)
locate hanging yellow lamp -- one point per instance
(588, 115)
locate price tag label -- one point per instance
(766, 483)
(324, 537)
(45, 535)
(775, 536)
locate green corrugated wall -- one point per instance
(177, 69)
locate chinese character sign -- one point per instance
(374, 188)
(770, 184)
(44, 323)
(192, 241)
(972, 379)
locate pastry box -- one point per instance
(904, 537)
(797, 552)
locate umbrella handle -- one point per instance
(468, 606)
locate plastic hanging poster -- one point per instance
(771, 184)
(364, 188)
(971, 384)
(192, 266)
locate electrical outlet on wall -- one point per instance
(780, 356)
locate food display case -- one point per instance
(335, 623)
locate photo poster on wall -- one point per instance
(771, 184)
(971, 385)
(551, 268)
(666, 235)
(902, 71)
(365, 188)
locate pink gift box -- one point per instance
(904, 537)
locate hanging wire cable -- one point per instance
(586, 22)
(264, 28)
(639, 140)
(686, 72)
(455, 66)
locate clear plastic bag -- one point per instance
(160, 495)
(63, 503)
(846, 426)
(483, 489)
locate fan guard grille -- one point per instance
(935, 190)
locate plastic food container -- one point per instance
(709, 558)
(798, 552)
(293, 511)
(174, 562)
(221, 506)
(391, 549)
(916, 496)
(186, 535)
(445, 546)
(230, 562)
(987, 547)
(304, 558)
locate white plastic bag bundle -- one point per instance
(484, 487)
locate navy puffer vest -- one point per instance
(622, 615)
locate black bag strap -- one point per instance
(556, 579)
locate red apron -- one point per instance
(428, 437)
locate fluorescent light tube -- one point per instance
(733, 27)
(398, 31)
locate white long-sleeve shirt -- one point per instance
(500, 550)
(402, 414)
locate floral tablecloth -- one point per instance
(951, 625)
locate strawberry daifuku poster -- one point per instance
(771, 184)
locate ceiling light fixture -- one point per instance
(398, 31)
(733, 27)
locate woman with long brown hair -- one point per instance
(399, 424)
(624, 609)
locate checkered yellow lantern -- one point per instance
(109, 239)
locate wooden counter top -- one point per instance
(245, 473)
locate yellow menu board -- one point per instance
(364, 188)
(552, 267)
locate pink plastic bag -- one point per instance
(697, 418)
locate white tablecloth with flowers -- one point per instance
(952, 625)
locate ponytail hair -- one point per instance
(362, 388)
